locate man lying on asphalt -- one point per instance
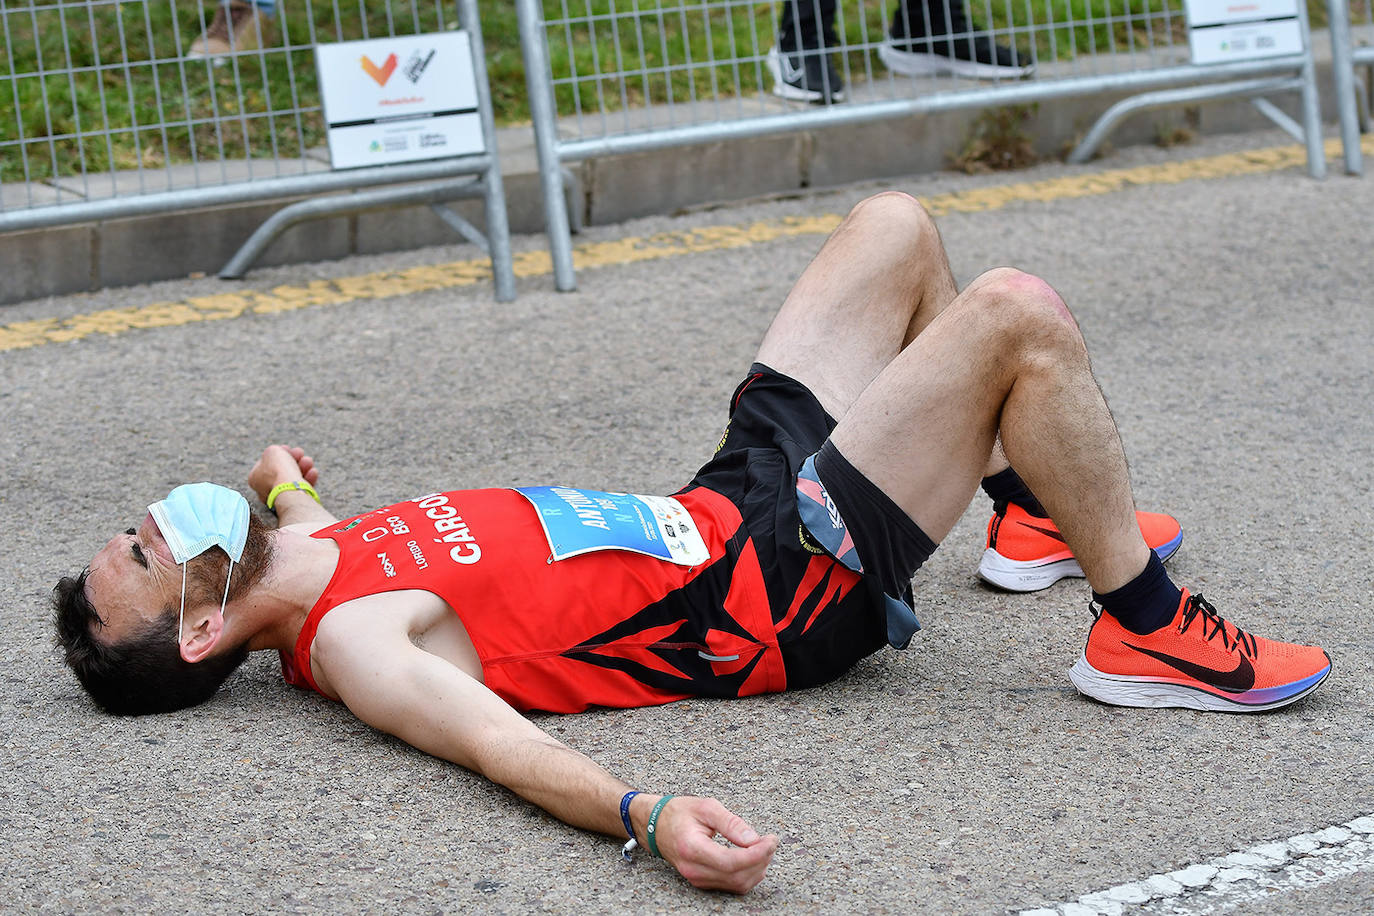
(880, 398)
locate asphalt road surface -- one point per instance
(1229, 312)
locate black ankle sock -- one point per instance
(1147, 602)
(1008, 487)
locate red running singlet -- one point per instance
(608, 628)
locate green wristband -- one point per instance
(651, 832)
(281, 488)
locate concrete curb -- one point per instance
(122, 252)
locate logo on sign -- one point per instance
(417, 65)
(383, 73)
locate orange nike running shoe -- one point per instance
(1199, 661)
(1025, 553)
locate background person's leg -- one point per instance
(800, 62)
(807, 25)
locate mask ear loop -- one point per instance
(223, 602)
(182, 616)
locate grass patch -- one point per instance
(606, 62)
(93, 85)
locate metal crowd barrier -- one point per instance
(105, 113)
(1352, 45)
(625, 76)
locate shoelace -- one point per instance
(1200, 605)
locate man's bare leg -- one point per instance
(880, 279)
(1005, 356)
(921, 412)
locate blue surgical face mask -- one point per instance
(197, 516)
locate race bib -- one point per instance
(581, 521)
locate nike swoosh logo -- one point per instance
(1237, 680)
(1047, 532)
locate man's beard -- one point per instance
(205, 574)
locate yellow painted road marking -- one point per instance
(386, 284)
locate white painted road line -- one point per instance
(1262, 871)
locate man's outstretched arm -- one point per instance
(283, 464)
(431, 704)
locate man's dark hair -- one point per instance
(143, 674)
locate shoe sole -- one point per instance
(1033, 575)
(912, 63)
(792, 93)
(1121, 690)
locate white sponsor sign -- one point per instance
(1222, 30)
(399, 99)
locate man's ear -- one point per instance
(199, 639)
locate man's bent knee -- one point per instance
(896, 213)
(898, 238)
(1026, 306)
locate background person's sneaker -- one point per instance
(1026, 553)
(970, 56)
(805, 76)
(236, 27)
(929, 39)
(1198, 661)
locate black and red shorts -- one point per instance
(776, 423)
